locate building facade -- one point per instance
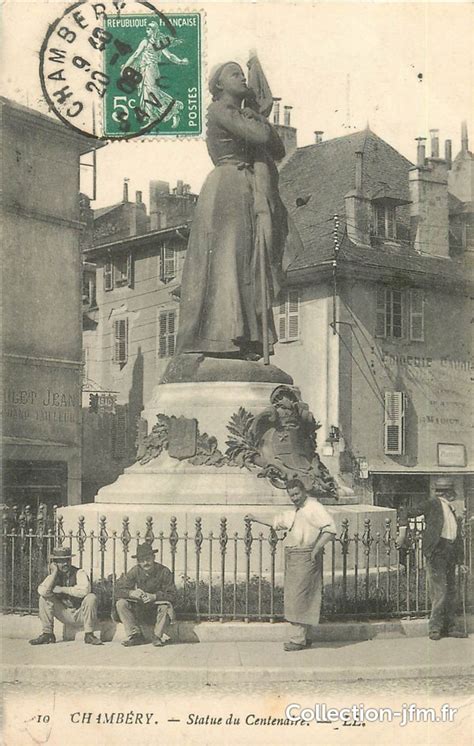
(380, 344)
(129, 332)
(42, 360)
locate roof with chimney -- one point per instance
(313, 184)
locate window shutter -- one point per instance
(293, 314)
(108, 276)
(282, 321)
(417, 316)
(171, 333)
(120, 341)
(168, 264)
(167, 334)
(129, 270)
(288, 313)
(163, 325)
(394, 436)
(380, 328)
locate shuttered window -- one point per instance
(394, 426)
(119, 272)
(417, 322)
(288, 325)
(167, 333)
(389, 313)
(108, 276)
(168, 259)
(120, 341)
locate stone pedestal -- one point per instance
(166, 488)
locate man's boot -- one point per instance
(91, 639)
(44, 639)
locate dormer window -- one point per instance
(384, 223)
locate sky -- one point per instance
(403, 68)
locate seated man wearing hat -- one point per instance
(66, 595)
(145, 596)
(443, 549)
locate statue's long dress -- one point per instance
(239, 206)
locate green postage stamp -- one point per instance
(155, 65)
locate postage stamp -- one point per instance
(123, 70)
(160, 80)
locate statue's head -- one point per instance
(228, 78)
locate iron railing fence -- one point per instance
(226, 575)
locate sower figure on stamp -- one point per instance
(65, 594)
(310, 528)
(145, 596)
(443, 549)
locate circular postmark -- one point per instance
(88, 57)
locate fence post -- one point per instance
(103, 539)
(61, 535)
(198, 539)
(273, 541)
(149, 534)
(248, 540)
(367, 541)
(344, 540)
(174, 538)
(387, 540)
(223, 539)
(209, 598)
(125, 538)
(81, 538)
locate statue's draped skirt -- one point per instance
(221, 298)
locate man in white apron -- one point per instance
(309, 527)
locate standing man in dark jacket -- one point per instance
(443, 549)
(145, 595)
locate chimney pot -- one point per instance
(276, 110)
(125, 190)
(318, 136)
(138, 198)
(179, 186)
(420, 151)
(287, 116)
(464, 137)
(448, 153)
(434, 143)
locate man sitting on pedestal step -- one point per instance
(309, 527)
(66, 595)
(145, 596)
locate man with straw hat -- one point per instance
(145, 596)
(66, 595)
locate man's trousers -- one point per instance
(129, 615)
(441, 567)
(51, 608)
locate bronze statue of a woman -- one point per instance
(235, 257)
